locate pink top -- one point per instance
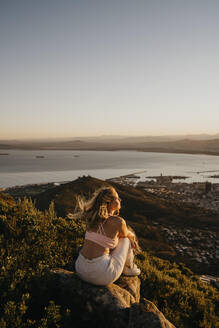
(101, 239)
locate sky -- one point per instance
(98, 67)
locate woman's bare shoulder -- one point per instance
(117, 220)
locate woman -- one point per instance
(108, 247)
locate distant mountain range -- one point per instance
(116, 138)
(193, 144)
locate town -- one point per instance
(202, 194)
(197, 245)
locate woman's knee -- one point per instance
(125, 241)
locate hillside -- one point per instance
(33, 242)
(148, 215)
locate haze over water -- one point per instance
(23, 167)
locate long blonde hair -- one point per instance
(95, 210)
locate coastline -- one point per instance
(23, 167)
(137, 149)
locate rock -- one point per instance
(85, 305)
(146, 314)
(122, 294)
(216, 284)
(116, 305)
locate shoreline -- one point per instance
(36, 188)
(111, 149)
(194, 168)
(129, 175)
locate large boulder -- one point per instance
(115, 305)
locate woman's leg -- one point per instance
(130, 258)
(107, 268)
(119, 254)
(123, 259)
(97, 271)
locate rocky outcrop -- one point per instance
(116, 305)
(146, 314)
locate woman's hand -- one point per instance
(125, 232)
(132, 238)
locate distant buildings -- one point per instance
(202, 194)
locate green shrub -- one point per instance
(183, 298)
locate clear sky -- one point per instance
(93, 67)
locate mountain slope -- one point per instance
(148, 215)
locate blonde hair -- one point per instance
(95, 210)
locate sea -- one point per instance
(22, 167)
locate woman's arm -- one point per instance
(125, 232)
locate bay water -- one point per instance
(21, 167)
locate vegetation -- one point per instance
(32, 242)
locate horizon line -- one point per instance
(110, 136)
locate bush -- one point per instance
(183, 298)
